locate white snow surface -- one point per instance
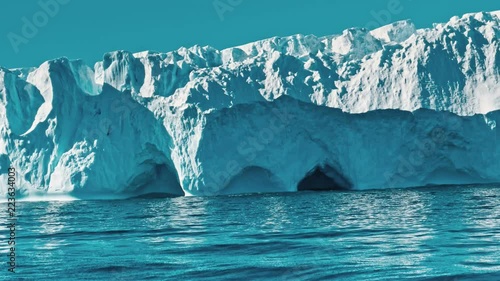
(387, 108)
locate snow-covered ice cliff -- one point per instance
(392, 107)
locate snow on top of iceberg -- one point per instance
(395, 66)
(395, 33)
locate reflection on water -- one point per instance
(486, 210)
(5, 233)
(43, 231)
(51, 223)
(188, 226)
(375, 235)
(276, 214)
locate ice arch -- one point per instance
(254, 179)
(155, 179)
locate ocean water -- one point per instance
(445, 233)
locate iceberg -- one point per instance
(393, 107)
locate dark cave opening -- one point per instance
(324, 178)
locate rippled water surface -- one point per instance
(447, 233)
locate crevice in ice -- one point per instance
(5, 163)
(323, 178)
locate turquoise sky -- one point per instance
(87, 29)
